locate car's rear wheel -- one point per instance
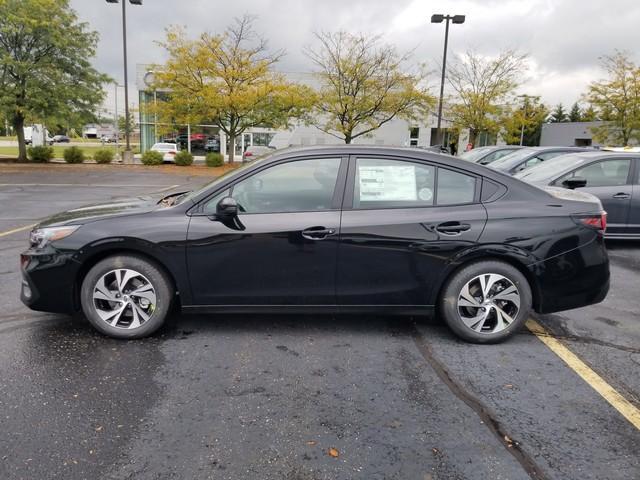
(126, 296)
(486, 302)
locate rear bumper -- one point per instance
(48, 281)
(573, 279)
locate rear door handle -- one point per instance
(318, 233)
(452, 228)
(622, 195)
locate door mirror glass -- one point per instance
(574, 182)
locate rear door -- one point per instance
(633, 224)
(611, 181)
(402, 221)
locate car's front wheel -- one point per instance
(126, 296)
(486, 302)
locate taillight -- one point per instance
(248, 154)
(597, 222)
(171, 153)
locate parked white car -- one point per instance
(168, 150)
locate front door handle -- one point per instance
(318, 233)
(622, 196)
(453, 228)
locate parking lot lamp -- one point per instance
(438, 18)
(127, 127)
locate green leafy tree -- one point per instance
(616, 100)
(589, 115)
(575, 114)
(227, 79)
(558, 114)
(45, 64)
(483, 86)
(363, 86)
(527, 119)
(122, 124)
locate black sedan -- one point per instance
(612, 177)
(61, 139)
(334, 229)
(489, 154)
(528, 157)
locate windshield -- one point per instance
(546, 170)
(513, 158)
(218, 180)
(475, 154)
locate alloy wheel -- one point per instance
(488, 303)
(124, 298)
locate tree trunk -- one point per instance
(18, 124)
(473, 135)
(231, 148)
(348, 138)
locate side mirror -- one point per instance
(574, 182)
(227, 213)
(227, 208)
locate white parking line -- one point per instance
(595, 381)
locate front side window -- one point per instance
(381, 183)
(608, 173)
(298, 186)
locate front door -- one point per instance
(407, 219)
(282, 250)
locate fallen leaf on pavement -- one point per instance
(334, 452)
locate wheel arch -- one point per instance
(92, 259)
(482, 256)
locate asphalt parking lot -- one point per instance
(304, 397)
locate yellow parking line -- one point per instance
(16, 230)
(595, 381)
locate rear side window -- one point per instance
(381, 183)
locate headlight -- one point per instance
(41, 237)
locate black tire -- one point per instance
(448, 305)
(161, 283)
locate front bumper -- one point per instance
(48, 280)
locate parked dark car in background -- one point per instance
(61, 139)
(612, 177)
(486, 155)
(334, 229)
(530, 156)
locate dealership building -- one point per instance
(396, 132)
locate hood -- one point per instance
(91, 213)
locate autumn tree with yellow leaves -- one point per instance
(364, 85)
(228, 80)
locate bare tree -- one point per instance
(482, 85)
(363, 85)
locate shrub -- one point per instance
(214, 160)
(40, 154)
(104, 155)
(152, 158)
(73, 155)
(184, 158)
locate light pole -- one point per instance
(438, 18)
(127, 128)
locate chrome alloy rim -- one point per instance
(488, 303)
(124, 298)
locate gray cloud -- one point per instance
(563, 37)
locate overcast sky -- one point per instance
(564, 38)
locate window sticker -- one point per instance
(387, 183)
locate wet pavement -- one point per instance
(301, 397)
